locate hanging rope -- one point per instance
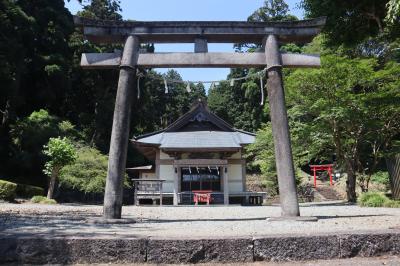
(232, 80)
(259, 74)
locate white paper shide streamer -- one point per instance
(165, 86)
(188, 89)
(212, 86)
(262, 90)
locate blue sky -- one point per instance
(196, 10)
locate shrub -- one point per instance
(7, 190)
(392, 204)
(381, 178)
(88, 173)
(373, 199)
(28, 191)
(42, 200)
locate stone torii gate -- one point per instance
(270, 34)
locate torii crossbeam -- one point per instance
(269, 34)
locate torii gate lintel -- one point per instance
(200, 33)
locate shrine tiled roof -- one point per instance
(197, 129)
(198, 139)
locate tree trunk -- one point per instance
(52, 183)
(351, 186)
(393, 165)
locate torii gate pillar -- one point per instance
(120, 130)
(280, 130)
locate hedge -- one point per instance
(7, 190)
(28, 191)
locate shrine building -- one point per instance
(199, 153)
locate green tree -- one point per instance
(393, 11)
(34, 64)
(349, 22)
(272, 10)
(240, 104)
(60, 153)
(102, 9)
(28, 136)
(365, 28)
(88, 173)
(350, 108)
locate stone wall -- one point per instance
(43, 250)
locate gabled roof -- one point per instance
(199, 112)
(197, 129)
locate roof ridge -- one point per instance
(148, 134)
(245, 132)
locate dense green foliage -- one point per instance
(42, 200)
(382, 178)
(377, 199)
(393, 13)
(372, 199)
(46, 94)
(348, 110)
(243, 99)
(28, 191)
(356, 117)
(7, 190)
(88, 173)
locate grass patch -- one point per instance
(376, 199)
(42, 200)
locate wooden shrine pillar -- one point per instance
(315, 176)
(225, 184)
(280, 130)
(176, 185)
(120, 130)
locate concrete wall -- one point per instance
(235, 178)
(148, 175)
(163, 155)
(237, 155)
(167, 173)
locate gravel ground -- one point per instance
(192, 221)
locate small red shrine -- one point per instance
(322, 167)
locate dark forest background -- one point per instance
(347, 111)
